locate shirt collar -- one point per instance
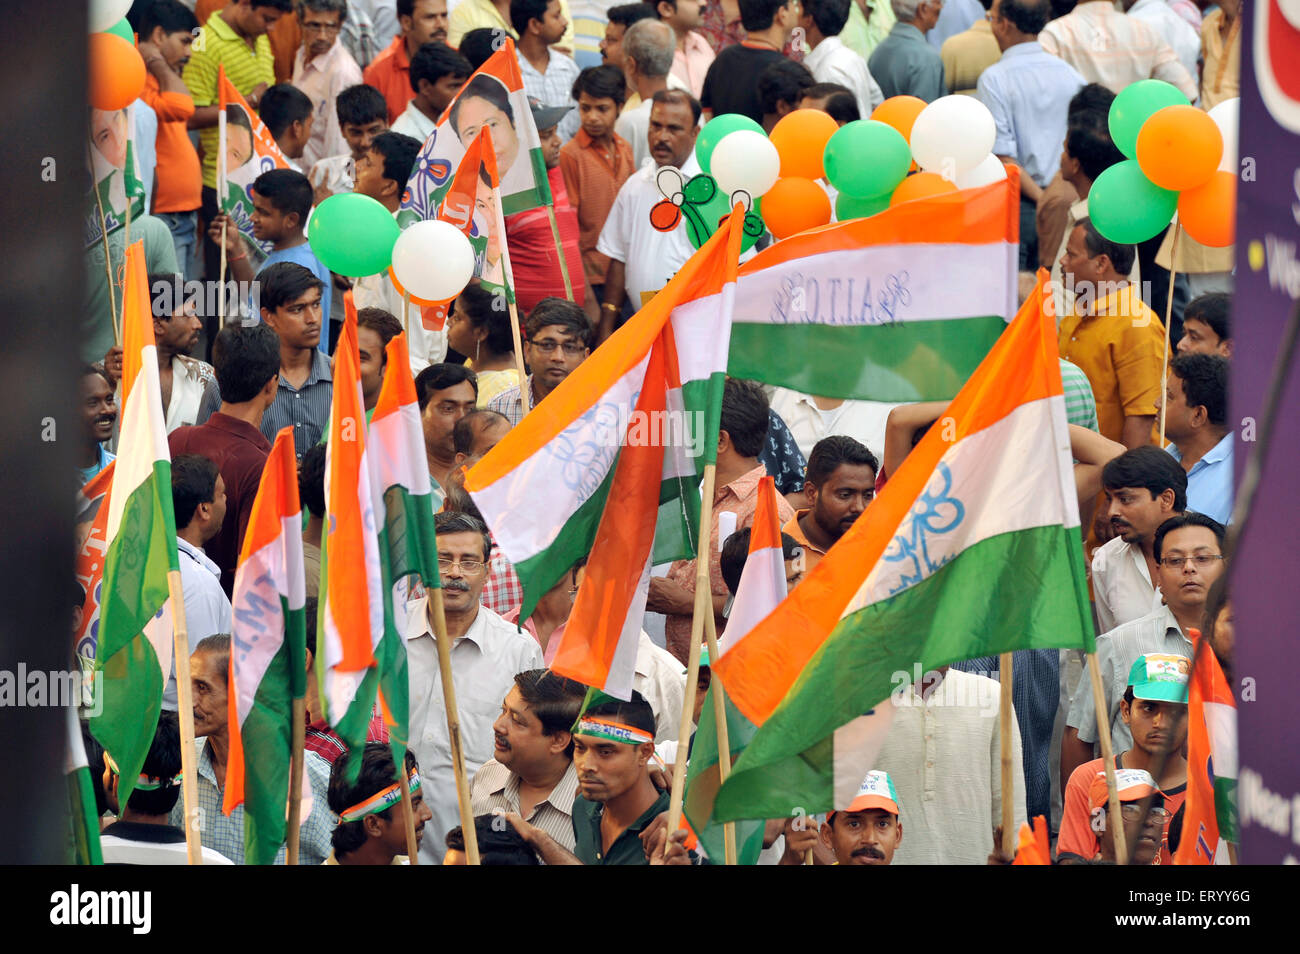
(795, 531)
(1028, 48)
(239, 428)
(197, 555)
(1220, 451)
(561, 797)
(908, 31)
(1123, 302)
(417, 624)
(745, 484)
(320, 63)
(320, 371)
(222, 29)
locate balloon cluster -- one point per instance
(1179, 159)
(116, 68)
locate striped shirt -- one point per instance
(1080, 406)
(554, 87)
(219, 45)
(496, 789)
(305, 409)
(509, 403)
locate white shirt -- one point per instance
(864, 421)
(661, 679)
(1173, 29)
(1121, 584)
(833, 62)
(652, 257)
(634, 126)
(413, 123)
(322, 78)
(190, 379)
(483, 663)
(944, 757)
(121, 850)
(333, 172)
(207, 608)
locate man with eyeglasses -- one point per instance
(486, 653)
(323, 68)
(558, 339)
(1189, 554)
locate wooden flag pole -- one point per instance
(412, 846)
(724, 740)
(221, 281)
(1005, 716)
(1169, 314)
(453, 726)
(116, 318)
(126, 234)
(525, 398)
(185, 716)
(406, 310)
(1108, 760)
(703, 601)
(559, 250)
(298, 740)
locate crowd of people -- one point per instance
(350, 89)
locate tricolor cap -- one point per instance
(1161, 677)
(1131, 783)
(876, 791)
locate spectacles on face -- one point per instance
(1132, 812)
(571, 348)
(1201, 560)
(467, 566)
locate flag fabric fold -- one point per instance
(243, 136)
(83, 813)
(1210, 810)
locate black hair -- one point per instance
(1213, 309)
(311, 480)
(554, 699)
(377, 772)
(435, 60)
(829, 15)
(1027, 16)
(381, 322)
(194, 482)
(783, 81)
(172, 15)
(1089, 143)
(95, 761)
(677, 97)
(1215, 600)
(1092, 101)
(1205, 383)
(601, 82)
(498, 842)
(166, 294)
(1121, 256)
(756, 15)
(744, 416)
(445, 522)
(284, 6)
(485, 309)
(405, 8)
(523, 12)
(636, 712)
(236, 116)
(310, 612)
(87, 370)
(843, 108)
(1188, 519)
(489, 88)
(287, 190)
(825, 90)
(245, 359)
(281, 106)
(1149, 468)
(399, 152)
(558, 311)
(829, 452)
(284, 283)
(458, 500)
(361, 105)
(735, 552)
(323, 6)
(439, 377)
(163, 762)
(220, 645)
(478, 44)
(467, 428)
(625, 14)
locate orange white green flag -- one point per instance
(134, 656)
(1210, 811)
(268, 655)
(971, 549)
(245, 149)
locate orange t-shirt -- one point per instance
(178, 179)
(1077, 836)
(811, 555)
(593, 176)
(390, 73)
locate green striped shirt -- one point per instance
(1080, 405)
(219, 45)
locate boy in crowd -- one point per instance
(372, 818)
(363, 115)
(288, 115)
(437, 72)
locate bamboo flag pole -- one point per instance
(298, 740)
(406, 310)
(412, 846)
(720, 715)
(525, 398)
(703, 600)
(1169, 312)
(221, 281)
(1108, 760)
(185, 716)
(1005, 716)
(453, 726)
(559, 250)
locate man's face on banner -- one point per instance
(475, 113)
(108, 133)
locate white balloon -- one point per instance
(953, 135)
(104, 13)
(989, 170)
(745, 161)
(1225, 116)
(433, 260)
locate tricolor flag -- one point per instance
(971, 549)
(81, 796)
(611, 463)
(245, 149)
(761, 588)
(492, 98)
(408, 545)
(914, 296)
(141, 547)
(1210, 811)
(351, 595)
(114, 173)
(92, 527)
(268, 655)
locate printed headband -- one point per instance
(146, 783)
(612, 731)
(382, 800)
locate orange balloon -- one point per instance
(1179, 147)
(1208, 213)
(800, 139)
(899, 112)
(795, 204)
(916, 187)
(116, 72)
(415, 300)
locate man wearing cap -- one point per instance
(1142, 831)
(868, 831)
(1154, 709)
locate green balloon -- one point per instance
(1127, 207)
(123, 29)
(353, 235)
(866, 158)
(851, 207)
(1134, 106)
(715, 129)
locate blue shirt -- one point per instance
(957, 16)
(88, 473)
(1028, 92)
(1209, 482)
(905, 65)
(304, 256)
